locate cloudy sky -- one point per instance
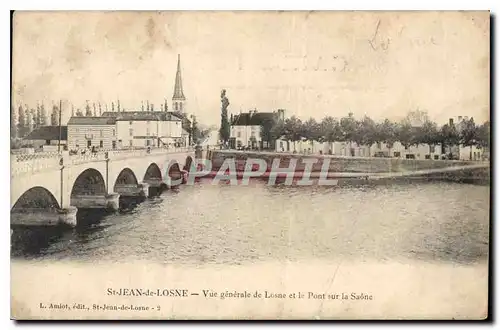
(309, 63)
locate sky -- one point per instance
(312, 64)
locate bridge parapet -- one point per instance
(139, 153)
(34, 165)
(37, 155)
(85, 158)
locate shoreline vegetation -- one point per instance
(414, 129)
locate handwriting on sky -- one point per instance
(333, 63)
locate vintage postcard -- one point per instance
(185, 165)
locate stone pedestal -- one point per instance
(68, 216)
(113, 202)
(44, 217)
(132, 190)
(110, 201)
(154, 182)
(145, 188)
(155, 186)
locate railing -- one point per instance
(32, 163)
(38, 155)
(31, 166)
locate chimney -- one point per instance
(231, 119)
(451, 121)
(459, 118)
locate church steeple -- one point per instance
(178, 99)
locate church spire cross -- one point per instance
(178, 92)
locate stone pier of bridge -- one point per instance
(48, 189)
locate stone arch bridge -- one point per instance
(49, 188)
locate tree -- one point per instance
(13, 123)
(278, 131)
(266, 130)
(195, 132)
(293, 129)
(406, 134)
(78, 113)
(366, 133)
(448, 136)
(54, 116)
(38, 116)
(224, 131)
(428, 133)
(311, 131)
(29, 120)
(468, 134)
(88, 112)
(387, 133)
(483, 135)
(348, 126)
(43, 116)
(330, 130)
(21, 122)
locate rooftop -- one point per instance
(142, 115)
(252, 118)
(48, 133)
(91, 121)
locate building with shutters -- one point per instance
(92, 133)
(246, 128)
(142, 129)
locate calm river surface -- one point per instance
(222, 224)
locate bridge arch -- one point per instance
(187, 163)
(36, 197)
(173, 169)
(153, 172)
(126, 176)
(89, 182)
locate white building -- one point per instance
(246, 128)
(461, 151)
(422, 151)
(141, 129)
(92, 132)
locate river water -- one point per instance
(236, 225)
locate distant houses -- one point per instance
(415, 137)
(126, 129)
(88, 132)
(248, 129)
(47, 138)
(109, 129)
(378, 149)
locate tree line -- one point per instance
(367, 132)
(25, 120)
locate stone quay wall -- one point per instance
(337, 163)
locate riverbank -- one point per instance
(371, 167)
